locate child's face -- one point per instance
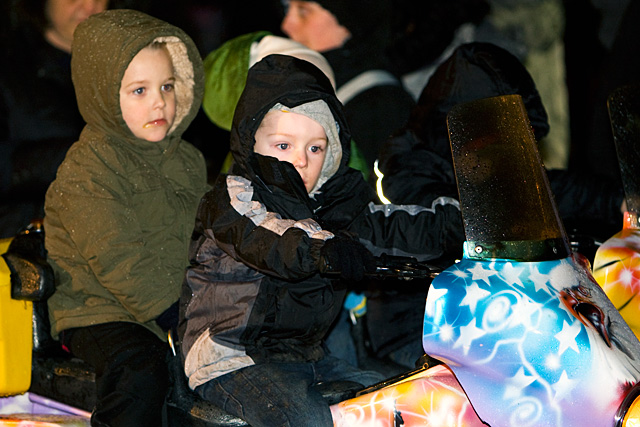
(147, 97)
(296, 139)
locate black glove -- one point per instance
(347, 257)
(168, 319)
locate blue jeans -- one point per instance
(281, 394)
(340, 342)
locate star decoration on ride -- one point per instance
(534, 343)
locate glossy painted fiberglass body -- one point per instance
(532, 343)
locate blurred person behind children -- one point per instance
(426, 33)
(121, 209)
(255, 308)
(38, 109)
(534, 32)
(227, 66)
(354, 38)
(417, 167)
(475, 71)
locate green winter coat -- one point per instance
(119, 215)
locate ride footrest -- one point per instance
(67, 380)
(21, 420)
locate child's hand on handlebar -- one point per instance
(347, 257)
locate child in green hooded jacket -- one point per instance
(119, 215)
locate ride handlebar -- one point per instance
(392, 266)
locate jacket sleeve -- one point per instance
(587, 196)
(243, 228)
(426, 233)
(113, 222)
(406, 180)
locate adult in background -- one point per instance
(39, 118)
(417, 163)
(418, 168)
(354, 38)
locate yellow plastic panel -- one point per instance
(632, 418)
(616, 267)
(15, 335)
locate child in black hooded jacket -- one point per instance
(255, 308)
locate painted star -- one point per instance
(479, 273)
(468, 334)
(539, 280)
(511, 274)
(567, 336)
(524, 311)
(563, 276)
(474, 294)
(432, 297)
(563, 386)
(517, 383)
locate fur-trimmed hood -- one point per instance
(103, 47)
(292, 82)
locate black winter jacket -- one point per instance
(253, 292)
(39, 120)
